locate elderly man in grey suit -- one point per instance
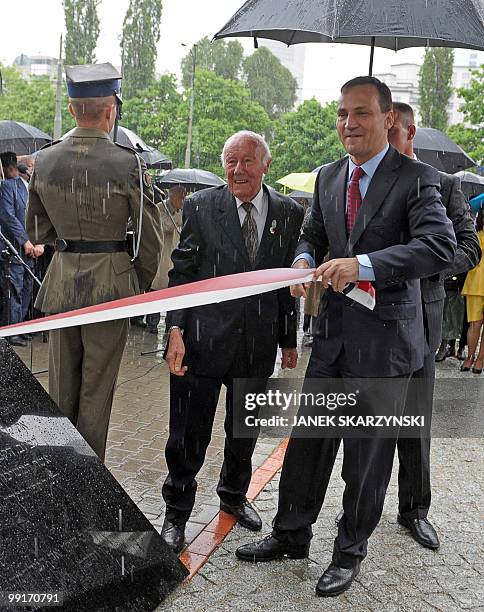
(414, 453)
(379, 216)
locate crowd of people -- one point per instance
(379, 217)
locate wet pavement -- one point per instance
(398, 574)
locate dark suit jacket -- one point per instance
(467, 256)
(211, 245)
(403, 228)
(13, 205)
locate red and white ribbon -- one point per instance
(199, 293)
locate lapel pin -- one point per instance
(273, 227)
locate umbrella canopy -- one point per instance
(300, 181)
(152, 157)
(472, 184)
(301, 195)
(191, 178)
(438, 150)
(392, 24)
(21, 138)
(477, 203)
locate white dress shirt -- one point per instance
(259, 212)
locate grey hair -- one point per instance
(257, 138)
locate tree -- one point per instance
(271, 83)
(221, 57)
(435, 87)
(473, 98)
(222, 107)
(82, 31)
(154, 112)
(141, 33)
(31, 101)
(470, 139)
(305, 139)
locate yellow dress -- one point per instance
(474, 288)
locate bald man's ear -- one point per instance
(412, 130)
(70, 108)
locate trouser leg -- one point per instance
(193, 402)
(414, 489)
(65, 370)
(103, 346)
(16, 281)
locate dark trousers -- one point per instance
(367, 467)
(17, 286)
(193, 402)
(414, 493)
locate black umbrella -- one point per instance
(438, 150)
(472, 184)
(21, 138)
(392, 24)
(152, 157)
(303, 195)
(192, 179)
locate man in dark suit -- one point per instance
(414, 453)
(380, 217)
(236, 228)
(16, 281)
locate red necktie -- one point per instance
(354, 198)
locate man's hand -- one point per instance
(300, 290)
(38, 250)
(175, 353)
(29, 249)
(289, 358)
(338, 273)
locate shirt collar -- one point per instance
(371, 165)
(258, 201)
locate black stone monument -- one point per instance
(66, 526)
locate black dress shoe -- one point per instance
(421, 531)
(17, 341)
(245, 514)
(336, 580)
(270, 549)
(174, 535)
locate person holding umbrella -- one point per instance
(391, 230)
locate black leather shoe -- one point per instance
(17, 341)
(270, 549)
(245, 514)
(174, 535)
(336, 580)
(421, 531)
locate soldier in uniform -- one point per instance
(83, 192)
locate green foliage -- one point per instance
(435, 87)
(473, 107)
(82, 31)
(31, 101)
(141, 33)
(153, 113)
(271, 83)
(221, 57)
(305, 139)
(470, 139)
(160, 116)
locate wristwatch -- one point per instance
(174, 327)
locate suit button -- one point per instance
(239, 330)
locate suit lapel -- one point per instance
(332, 200)
(274, 225)
(381, 183)
(228, 219)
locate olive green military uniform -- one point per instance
(86, 188)
(170, 241)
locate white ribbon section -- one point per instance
(200, 293)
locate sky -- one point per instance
(38, 27)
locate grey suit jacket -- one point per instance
(467, 256)
(403, 228)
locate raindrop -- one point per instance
(36, 547)
(122, 565)
(120, 519)
(104, 205)
(108, 190)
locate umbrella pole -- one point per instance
(372, 53)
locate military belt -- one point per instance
(90, 246)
